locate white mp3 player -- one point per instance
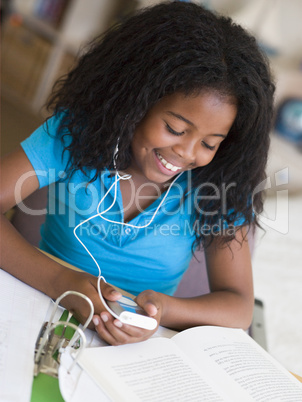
(128, 312)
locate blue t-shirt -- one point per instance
(134, 259)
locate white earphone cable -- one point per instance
(100, 214)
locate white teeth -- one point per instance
(167, 165)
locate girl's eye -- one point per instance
(170, 129)
(208, 146)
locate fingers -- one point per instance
(112, 330)
(109, 292)
(150, 309)
(115, 332)
(149, 301)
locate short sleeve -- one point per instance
(44, 150)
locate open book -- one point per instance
(199, 364)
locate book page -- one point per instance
(77, 385)
(154, 370)
(23, 310)
(231, 353)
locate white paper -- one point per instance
(154, 370)
(77, 385)
(221, 364)
(23, 310)
(231, 354)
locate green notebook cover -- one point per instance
(46, 388)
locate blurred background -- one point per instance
(42, 39)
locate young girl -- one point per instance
(157, 139)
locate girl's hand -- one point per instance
(86, 284)
(115, 332)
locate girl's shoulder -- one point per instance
(46, 150)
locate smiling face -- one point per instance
(180, 133)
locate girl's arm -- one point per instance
(231, 300)
(229, 304)
(25, 262)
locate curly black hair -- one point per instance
(168, 48)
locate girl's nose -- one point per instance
(186, 149)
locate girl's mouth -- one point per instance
(167, 165)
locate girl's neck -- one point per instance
(138, 193)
